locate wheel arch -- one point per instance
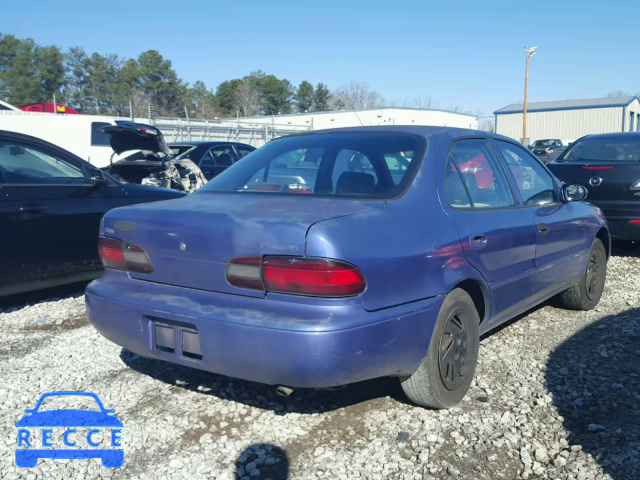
(479, 294)
(605, 238)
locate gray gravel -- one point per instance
(555, 397)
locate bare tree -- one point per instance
(247, 99)
(619, 93)
(487, 126)
(356, 95)
(140, 102)
(420, 102)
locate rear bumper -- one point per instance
(282, 340)
(619, 218)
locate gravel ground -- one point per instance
(555, 397)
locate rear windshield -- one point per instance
(363, 164)
(621, 149)
(544, 143)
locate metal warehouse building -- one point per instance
(372, 116)
(569, 120)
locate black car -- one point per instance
(609, 166)
(51, 204)
(547, 150)
(213, 157)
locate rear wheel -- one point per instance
(445, 374)
(586, 294)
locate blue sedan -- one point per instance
(338, 256)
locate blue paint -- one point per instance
(413, 249)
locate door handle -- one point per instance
(478, 241)
(543, 229)
(32, 209)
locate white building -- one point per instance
(372, 116)
(569, 120)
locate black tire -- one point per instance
(586, 294)
(456, 333)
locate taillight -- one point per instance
(597, 168)
(321, 277)
(121, 255)
(245, 272)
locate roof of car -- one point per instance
(206, 142)
(614, 135)
(422, 130)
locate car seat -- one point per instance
(224, 160)
(356, 183)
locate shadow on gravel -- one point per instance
(625, 249)
(595, 380)
(37, 296)
(269, 460)
(306, 401)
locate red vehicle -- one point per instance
(47, 107)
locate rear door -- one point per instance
(498, 235)
(561, 233)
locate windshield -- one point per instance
(603, 149)
(544, 143)
(373, 165)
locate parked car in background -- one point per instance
(609, 166)
(154, 163)
(547, 150)
(213, 157)
(369, 263)
(51, 203)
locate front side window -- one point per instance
(335, 164)
(222, 156)
(535, 184)
(25, 165)
(482, 174)
(244, 151)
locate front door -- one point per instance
(561, 243)
(497, 233)
(51, 211)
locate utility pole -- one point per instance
(530, 52)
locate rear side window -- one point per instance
(454, 189)
(482, 174)
(603, 149)
(98, 137)
(362, 164)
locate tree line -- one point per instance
(93, 83)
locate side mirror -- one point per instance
(574, 193)
(96, 177)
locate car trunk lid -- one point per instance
(606, 181)
(191, 241)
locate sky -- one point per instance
(466, 54)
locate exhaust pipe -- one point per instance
(284, 391)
